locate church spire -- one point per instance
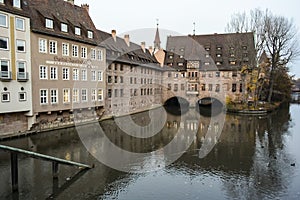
(157, 38)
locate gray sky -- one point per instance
(178, 16)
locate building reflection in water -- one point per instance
(247, 153)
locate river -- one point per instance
(225, 156)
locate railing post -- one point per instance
(55, 169)
(14, 171)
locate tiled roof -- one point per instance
(221, 48)
(118, 50)
(8, 7)
(61, 11)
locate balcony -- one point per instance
(5, 75)
(22, 76)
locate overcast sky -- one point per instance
(138, 17)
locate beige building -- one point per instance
(69, 66)
(15, 74)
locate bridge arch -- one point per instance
(177, 105)
(209, 106)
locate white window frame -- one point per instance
(93, 95)
(65, 49)
(54, 96)
(100, 55)
(84, 97)
(66, 95)
(49, 23)
(93, 75)
(77, 31)
(44, 97)
(64, 27)
(83, 52)
(21, 65)
(17, 3)
(65, 73)
(52, 47)
(53, 73)
(100, 94)
(75, 95)
(43, 72)
(6, 21)
(7, 43)
(100, 75)
(25, 96)
(21, 43)
(84, 75)
(22, 27)
(75, 74)
(43, 45)
(74, 50)
(90, 34)
(93, 54)
(8, 97)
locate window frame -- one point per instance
(7, 43)
(83, 52)
(43, 72)
(53, 76)
(64, 27)
(6, 20)
(43, 45)
(83, 74)
(17, 3)
(90, 34)
(65, 49)
(65, 73)
(75, 49)
(25, 96)
(75, 95)
(98, 94)
(49, 23)
(23, 24)
(8, 97)
(77, 31)
(24, 45)
(52, 47)
(54, 96)
(44, 96)
(66, 96)
(75, 74)
(84, 95)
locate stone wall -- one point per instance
(13, 123)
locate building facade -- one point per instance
(68, 65)
(15, 75)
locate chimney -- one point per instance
(86, 7)
(70, 1)
(126, 39)
(143, 44)
(151, 50)
(114, 34)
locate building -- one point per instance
(15, 75)
(134, 77)
(68, 65)
(213, 63)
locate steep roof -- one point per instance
(8, 7)
(61, 11)
(157, 40)
(220, 50)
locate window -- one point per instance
(90, 34)
(20, 45)
(17, 3)
(75, 50)
(116, 92)
(100, 95)
(3, 43)
(52, 47)
(176, 87)
(53, 73)
(22, 96)
(5, 97)
(66, 95)
(64, 27)
(93, 75)
(20, 24)
(42, 45)
(84, 95)
(206, 63)
(100, 55)
(75, 98)
(244, 47)
(219, 55)
(83, 75)
(234, 73)
(121, 92)
(109, 93)
(49, 23)
(182, 86)
(65, 49)
(53, 96)
(210, 87)
(241, 87)
(203, 87)
(3, 20)
(233, 89)
(109, 79)
(217, 74)
(93, 96)
(77, 31)
(83, 52)
(122, 79)
(232, 62)
(43, 96)
(21, 70)
(116, 79)
(43, 72)
(100, 75)
(93, 54)
(65, 73)
(217, 87)
(75, 74)
(5, 73)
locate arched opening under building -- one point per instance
(177, 105)
(209, 106)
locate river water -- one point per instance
(224, 156)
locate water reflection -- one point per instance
(249, 157)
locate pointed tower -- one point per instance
(157, 39)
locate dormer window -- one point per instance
(64, 27)
(49, 23)
(77, 31)
(17, 3)
(90, 34)
(219, 55)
